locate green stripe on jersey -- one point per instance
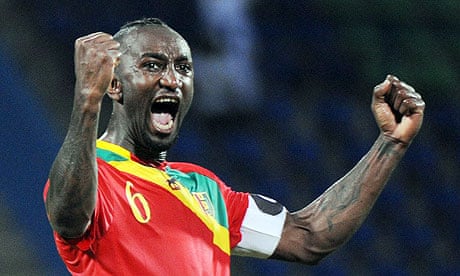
(109, 156)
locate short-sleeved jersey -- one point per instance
(170, 219)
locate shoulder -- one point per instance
(188, 168)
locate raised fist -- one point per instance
(398, 109)
(96, 56)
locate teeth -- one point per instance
(166, 100)
(163, 127)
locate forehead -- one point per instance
(155, 39)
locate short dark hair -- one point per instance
(139, 23)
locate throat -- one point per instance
(149, 156)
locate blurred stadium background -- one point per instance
(283, 90)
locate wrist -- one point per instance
(88, 100)
(386, 138)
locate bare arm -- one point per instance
(71, 196)
(330, 220)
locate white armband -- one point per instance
(261, 228)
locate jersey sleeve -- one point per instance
(261, 228)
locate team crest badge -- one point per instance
(173, 184)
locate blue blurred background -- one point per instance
(283, 90)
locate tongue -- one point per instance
(162, 118)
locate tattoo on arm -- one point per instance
(338, 199)
(73, 179)
(331, 219)
(386, 150)
(348, 190)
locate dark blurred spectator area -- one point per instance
(282, 98)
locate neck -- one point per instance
(149, 156)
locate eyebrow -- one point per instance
(164, 57)
(155, 55)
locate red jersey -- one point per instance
(175, 219)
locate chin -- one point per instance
(160, 143)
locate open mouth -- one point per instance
(164, 111)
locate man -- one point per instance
(118, 207)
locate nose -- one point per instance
(169, 80)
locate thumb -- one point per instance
(382, 111)
(382, 89)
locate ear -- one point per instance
(114, 91)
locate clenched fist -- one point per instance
(398, 109)
(96, 56)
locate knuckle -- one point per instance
(401, 93)
(407, 101)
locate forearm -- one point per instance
(345, 205)
(73, 177)
(333, 217)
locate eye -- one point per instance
(153, 66)
(184, 68)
